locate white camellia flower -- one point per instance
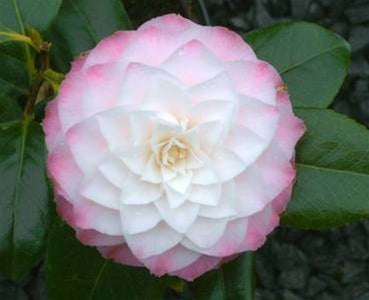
(172, 147)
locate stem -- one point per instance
(205, 12)
(249, 267)
(38, 81)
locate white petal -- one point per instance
(114, 126)
(141, 125)
(219, 87)
(87, 145)
(205, 232)
(258, 116)
(180, 183)
(205, 175)
(245, 144)
(139, 192)
(136, 158)
(153, 242)
(205, 194)
(138, 218)
(227, 164)
(99, 190)
(174, 199)
(192, 63)
(114, 171)
(180, 218)
(227, 205)
(210, 134)
(152, 172)
(210, 111)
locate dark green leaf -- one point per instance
(74, 272)
(312, 60)
(9, 109)
(17, 14)
(81, 24)
(24, 198)
(11, 291)
(233, 281)
(13, 76)
(332, 185)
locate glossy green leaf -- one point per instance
(17, 14)
(9, 109)
(13, 75)
(233, 281)
(312, 60)
(24, 198)
(81, 24)
(75, 271)
(332, 185)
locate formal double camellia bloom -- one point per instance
(172, 147)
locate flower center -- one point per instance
(172, 152)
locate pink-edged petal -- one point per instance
(64, 171)
(99, 190)
(51, 125)
(192, 63)
(205, 194)
(203, 264)
(199, 234)
(170, 22)
(81, 93)
(89, 215)
(94, 238)
(256, 79)
(227, 45)
(172, 260)
(290, 128)
(120, 254)
(109, 49)
(180, 218)
(153, 242)
(138, 218)
(87, 145)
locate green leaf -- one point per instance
(312, 60)
(75, 271)
(81, 24)
(16, 14)
(233, 281)
(332, 185)
(13, 76)
(24, 198)
(9, 109)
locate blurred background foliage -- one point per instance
(293, 264)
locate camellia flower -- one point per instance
(172, 147)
